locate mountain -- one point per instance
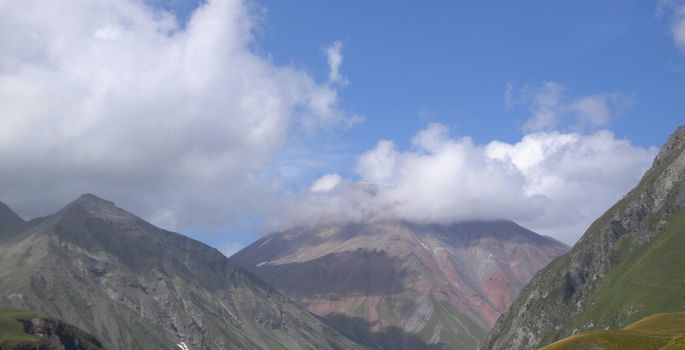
(8, 219)
(664, 331)
(400, 285)
(136, 286)
(628, 265)
(27, 330)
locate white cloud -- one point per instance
(335, 57)
(554, 183)
(552, 108)
(173, 122)
(326, 183)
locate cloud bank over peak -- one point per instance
(555, 183)
(117, 98)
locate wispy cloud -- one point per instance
(551, 107)
(335, 57)
(675, 11)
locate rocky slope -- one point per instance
(136, 286)
(401, 285)
(626, 266)
(27, 330)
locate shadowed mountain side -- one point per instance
(338, 274)
(8, 218)
(386, 338)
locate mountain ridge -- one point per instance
(562, 298)
(134, 285)
(8, 218)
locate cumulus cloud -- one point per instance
(174, 122)
(552, 108)
(335, 57)
(554, 183)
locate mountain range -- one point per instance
(135, 286)
(400, 285)
(106, 278)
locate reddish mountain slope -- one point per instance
(400, 285)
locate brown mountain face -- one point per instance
(401, 285)
(135, 286)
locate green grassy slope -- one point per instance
(665, 331)
(12, 331)
(13, 334)
(648, 280)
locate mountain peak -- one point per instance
(93, 205)
(91, 199)
(8, 217)
(674, 146)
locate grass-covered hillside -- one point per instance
(27, 330)
(648, 280)
(665, 331)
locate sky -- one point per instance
(230, 119)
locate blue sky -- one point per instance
(414, 62)
(220, 119)
(410, 63)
